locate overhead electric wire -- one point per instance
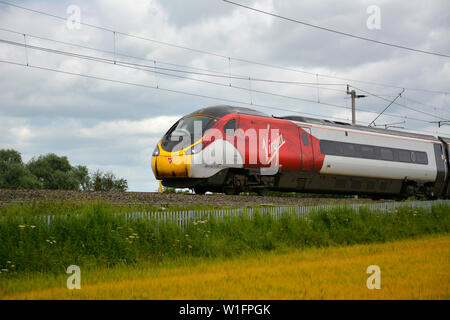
(420, 103)
(166, 89)
(381, 113)
(221, 55)
(178, 91)
(217, 74)
(148, 68)
(220, 75)
(425, 105)
(399, 104)
(336, 31)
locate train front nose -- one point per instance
(170, 164)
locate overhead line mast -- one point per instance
(354, 97)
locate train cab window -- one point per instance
(305, 139)
(230, 127)
(386, 154)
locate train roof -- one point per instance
(346, 125)
(220, 111)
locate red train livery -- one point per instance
(233, 149)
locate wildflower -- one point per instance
(8, 261)
(186, 235)
(4, 270)
(32, 227)
(189, 246)
(13, 266)
(21, 226)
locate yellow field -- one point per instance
(413, 269)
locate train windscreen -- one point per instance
(186, 131)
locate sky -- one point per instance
(115, 125)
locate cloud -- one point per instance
(115, 126)
(125, 128)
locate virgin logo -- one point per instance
(170, 160)
(272, 148)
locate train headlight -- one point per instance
(194, 149)
(156, 151)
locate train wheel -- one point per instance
(199, 190)
(262, 192)
(231, 191)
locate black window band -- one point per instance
(363, 151)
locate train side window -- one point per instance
(404, 156)
(328, 147)
(368, 152)
(421, 157)
(349, 150)
(305, 139)
(230, 127)
(386, 154)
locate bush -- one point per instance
(97, 237)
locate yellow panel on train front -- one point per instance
(165, 166)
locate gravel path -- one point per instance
(156, 199)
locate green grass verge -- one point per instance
(96, 238)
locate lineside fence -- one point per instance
(184, 217)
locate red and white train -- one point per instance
(232, 149)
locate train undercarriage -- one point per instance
(234, 181)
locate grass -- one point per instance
(96, 238)
(410, 269)
(44, 208)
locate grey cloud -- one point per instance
(42, 112)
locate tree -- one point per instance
(54, 172)
(101, 181)
(82, 175)
(14, 174)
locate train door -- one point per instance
(307, 154)
(248, 140)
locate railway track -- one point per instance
(8, 196)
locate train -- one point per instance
(231, 149)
